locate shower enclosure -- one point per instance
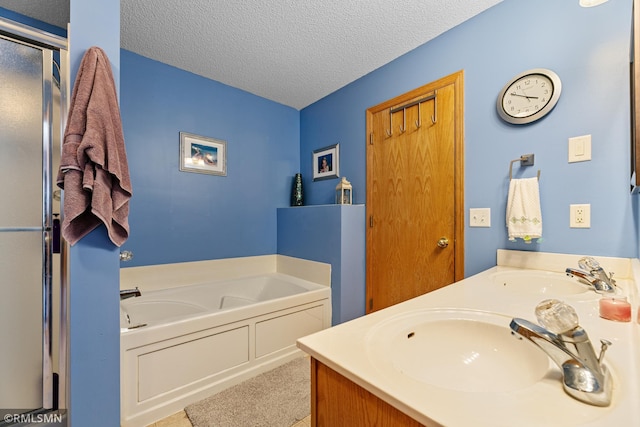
(32, 107)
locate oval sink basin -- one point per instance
(463, 350)
(538, 283)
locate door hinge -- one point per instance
(371, 138)
(370, 303)
(370, 221)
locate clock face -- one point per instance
(529, 96)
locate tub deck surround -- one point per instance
(214, 334)
(344, 348)
(163, 276)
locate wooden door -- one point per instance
(415, 193)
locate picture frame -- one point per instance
(200, 154)
(326, 162)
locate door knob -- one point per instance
(443, 242)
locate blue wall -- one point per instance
(588, 48)
(331, 234)
(179, 216)
(94, 330)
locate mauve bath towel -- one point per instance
(93, 169)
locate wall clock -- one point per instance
(529, 96)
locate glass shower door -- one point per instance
(25, 225)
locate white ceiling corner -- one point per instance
(294, 52)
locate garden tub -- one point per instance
(180, 345)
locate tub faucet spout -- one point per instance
(592, 273)
(585, 378)
(130, 293)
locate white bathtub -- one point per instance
(183, 344)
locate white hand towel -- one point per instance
(524, 216)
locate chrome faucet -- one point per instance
(126, 256)
(585, 377)
(592, 273)
(130, 293)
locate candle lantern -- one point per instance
(343, 192)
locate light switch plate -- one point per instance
(480, 217)
(580, 148)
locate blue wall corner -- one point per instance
(333, 234)
(180, 216)
(352, 272)
(94, 302)
(94, 332)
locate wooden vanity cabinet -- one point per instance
(337, 401)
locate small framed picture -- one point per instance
(200, 154)
(326, 162)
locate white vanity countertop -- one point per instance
(344, 348)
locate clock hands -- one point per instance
(524, 96)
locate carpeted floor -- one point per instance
(277, 398)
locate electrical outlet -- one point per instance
(580, 216)
(480, 217)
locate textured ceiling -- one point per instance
(290, 51)
(55, 12)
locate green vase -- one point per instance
(297, 198)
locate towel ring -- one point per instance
(525, 160)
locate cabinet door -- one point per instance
(337, 401)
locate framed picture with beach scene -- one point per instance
(326, 162)
(200, 154)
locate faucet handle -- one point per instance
(556, 316)
(588, 263)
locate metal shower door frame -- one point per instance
(48, 43)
